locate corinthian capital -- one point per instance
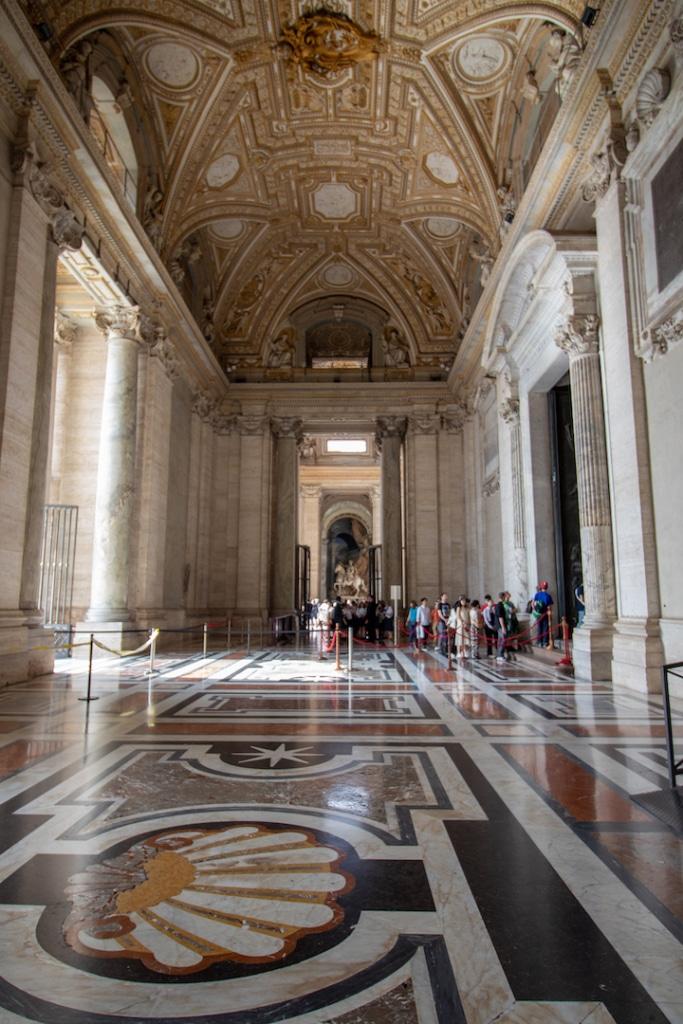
(203, 405)
(423, 423)
(508, 411)
(390, 426)
(578, 336)
(121, 322)
(287, 426)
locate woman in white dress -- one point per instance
(462, 628)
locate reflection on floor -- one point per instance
(251, 838)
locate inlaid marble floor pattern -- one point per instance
(253, 837)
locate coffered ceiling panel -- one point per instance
(290, 151)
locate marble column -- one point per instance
(114, 503)
(578, 337)
(423, 487)
(512, 499)
(287, 433)
(637, 653)
(390, 431)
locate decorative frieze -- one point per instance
(658, 340)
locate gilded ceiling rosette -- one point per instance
(328, 43)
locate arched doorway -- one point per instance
(348, 544)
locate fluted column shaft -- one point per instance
(390, 430)
(114, 503)
(590, 445)
(287, 432)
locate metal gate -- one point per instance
(58, 557)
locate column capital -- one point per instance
(578, 336)
(390, 426)
(508, 410)
(223, 423)
(66, 331)
(251, 425)
(204, 404)
(422, 424)
(454, 417)
(67, 233)
(164, 350)
(607, 162)
(311, 490)
(118, 321)
(287, 427)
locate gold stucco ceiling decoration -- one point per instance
(327, 43)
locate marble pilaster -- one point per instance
(592, 647)
(637, 651)
(390, 432)
(310, 532)
(65, 331)
(116, 483)
(287, 433)
(423, 480)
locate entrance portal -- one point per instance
(347, 558)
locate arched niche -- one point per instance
(356, 324)
(347, 543)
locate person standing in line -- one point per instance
(434, 623)
(490, 625)
(462, 628)
(501, 628)
(580, 604)
(411, 624)
(423, 621)
(512, 624)
(443, 608)
(542, 603)
(476, 626)
(388, 622)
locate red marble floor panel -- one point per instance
(580, 791)
(294, 728)
(655, 860)
(22, 753)
(638, 732)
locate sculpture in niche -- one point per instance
(247, 299)
(396, 352)
(281, 352)
(185, 255)
(328, 43)
(507, 205)
(349, 543)
(75, 71)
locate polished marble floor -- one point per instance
(254, 837)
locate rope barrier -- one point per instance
(128, 654)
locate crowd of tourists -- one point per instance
(467, 626)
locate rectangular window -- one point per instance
(347, 446)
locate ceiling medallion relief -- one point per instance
(172, 64)
(328, 43)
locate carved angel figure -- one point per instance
(485, 260)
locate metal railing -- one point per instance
(675, 767)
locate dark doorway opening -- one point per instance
(565, 501)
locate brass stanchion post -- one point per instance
(567, 658)
(206, 639)
(88, 697)
(152, 651)
(450, 649)
(550, 644)
(336, 643)
(248, 636)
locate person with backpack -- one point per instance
(542, 602)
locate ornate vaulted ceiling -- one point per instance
(374, 151)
